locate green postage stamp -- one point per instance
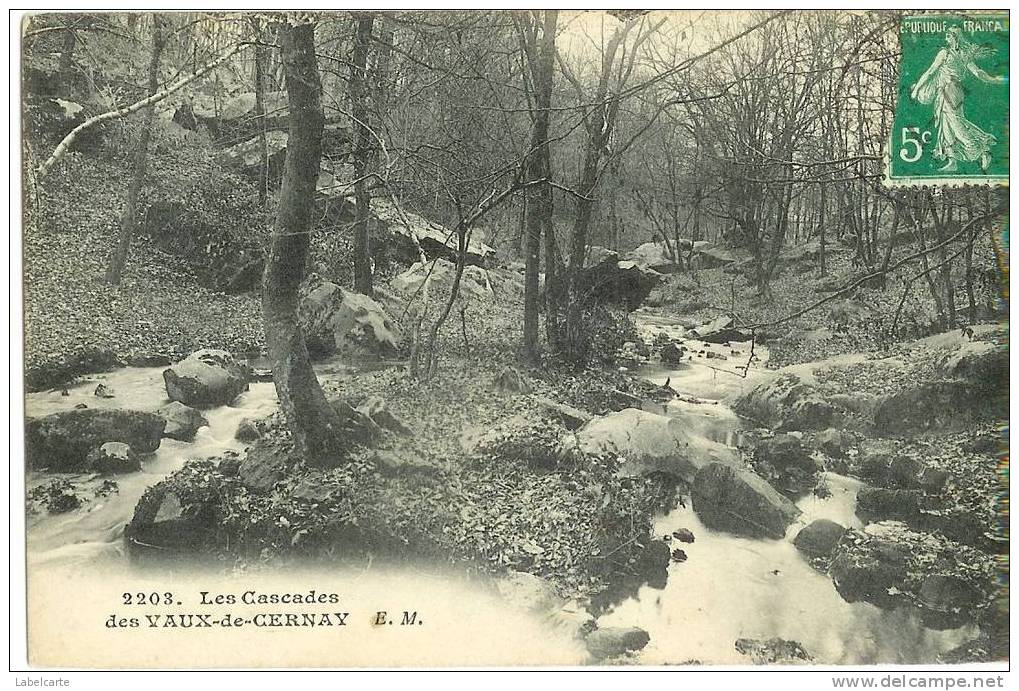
(951, 116)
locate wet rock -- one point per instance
(57, 496)
(182, 422)
(247, 430)
(262, 468)
(773, 651)
(786, 402)
(834, 442)
(672, 353)
(869, 570)
(784, 451)
(511, 381)
(654, 557)
(62, 441)
(678, 555)
(164, 524)
(404, 462)
(819, 538)
(338, 320)
(206, 379)
(376, 409)
(684, 535)
(614, 641)
(572, 418)
(652, 443)
(947, 600)
(739, 501)
(103, 391)
(785, 463)
(80, 406)
(113, 457)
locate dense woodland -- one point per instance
(505, 189)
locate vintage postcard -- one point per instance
(514, 338)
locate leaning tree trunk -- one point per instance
(141, 155)
(359, 95)
(315, 427)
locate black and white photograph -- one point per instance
(511, 339)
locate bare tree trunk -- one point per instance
(359, 95)
(67, 52)
(315, 427)
(263, 146)
(129, 219)
(540, 208)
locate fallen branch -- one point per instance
(155, 98)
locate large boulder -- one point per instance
(338, 320)
(869, 570)
(205, 379)
(720, 330)
(739, 501)
(652, 443)
(608, 280)
(932, 405)
(786, 402)
(654, 256)
(407, 234)
(983, 364)
(475, 283)
(62, 441)
(182, 422)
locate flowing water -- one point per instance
(93, 533)
(728, 588)
(731, 587)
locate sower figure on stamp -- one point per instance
(958, 139)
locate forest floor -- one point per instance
(75, 323)
(498, 508)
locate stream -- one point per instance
(728, 588)
(733, 587)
